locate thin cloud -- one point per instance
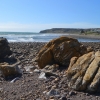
(18, 27)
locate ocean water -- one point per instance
(36, 37)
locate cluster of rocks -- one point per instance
(82, 62)
(53, 82)
(7, 70)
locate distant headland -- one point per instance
(71, 30)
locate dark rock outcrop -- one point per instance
(8, 70)
(4, 48)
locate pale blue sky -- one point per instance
(36, 15)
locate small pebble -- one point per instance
(37, 71)
(44, 92)
(87, 94)
(14, 80)
(72, 93)
(1, 90)
(63, 98)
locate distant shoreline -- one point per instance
(76, 35)
(46, 37)
(84, 36)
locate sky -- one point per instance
(37, 15)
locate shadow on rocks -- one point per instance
(10, 78)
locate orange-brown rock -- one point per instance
(60, 51)
(84, 72)
(10, 70)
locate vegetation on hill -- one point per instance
(72, 30)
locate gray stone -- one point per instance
(30, 68)
(1, 90)
(37, 71)
(72, 93)
(46, 74)
(63, 98)
(44, 92)
(38, 99)
(42, 76)
(53, 92)
(14, 80)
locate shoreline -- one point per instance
(83, 36)
(89, 38)
(46, 37)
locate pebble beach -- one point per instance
(30, 87)
(49, 50)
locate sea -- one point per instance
(37, 37)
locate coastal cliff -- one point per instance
(70, 30)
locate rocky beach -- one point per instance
(30, 86)
(49, 50)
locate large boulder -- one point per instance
(60, 51)
(84, 72)
(4, 48)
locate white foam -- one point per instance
(36, 37)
